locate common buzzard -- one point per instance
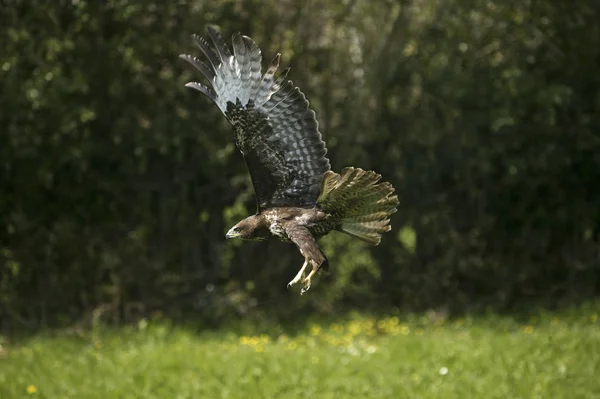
(298, 197)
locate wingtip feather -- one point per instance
(202, 89)
(222, 49)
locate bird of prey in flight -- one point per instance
(298, 197)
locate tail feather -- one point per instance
(362, 203)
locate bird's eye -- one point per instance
(236, 229)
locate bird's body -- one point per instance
(317, 222)
(298, 197)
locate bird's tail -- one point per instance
(361, 202)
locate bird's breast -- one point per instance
(278, 231)
(276, 226)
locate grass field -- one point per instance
(545, 356)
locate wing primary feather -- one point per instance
(222, 49)
(255, 62)
(208, 52)
(203, 89)
(199, 65)
(240, 52)
(244, 63)
(279, 83)
(273, 65)
(267, 79)
(283, 75)
(263, 91)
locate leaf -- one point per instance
(408, 237)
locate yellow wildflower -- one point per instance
(368, 326)
(354, 328)
(245, 340)
(528, 329)
(264, 339)
(292, 345)
(31, 389)
(315, 330)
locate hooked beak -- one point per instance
(230, 234)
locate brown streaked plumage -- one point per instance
(298, 197)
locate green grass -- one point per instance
(547, 356)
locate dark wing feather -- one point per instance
(274, 128)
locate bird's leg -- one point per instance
(308, 279)
(300, 275)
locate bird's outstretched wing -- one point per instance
(273, 126)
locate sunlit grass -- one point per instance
(542, 356)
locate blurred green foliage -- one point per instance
(117, 184)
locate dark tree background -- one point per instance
(118, 184)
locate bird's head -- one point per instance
(251, 228)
